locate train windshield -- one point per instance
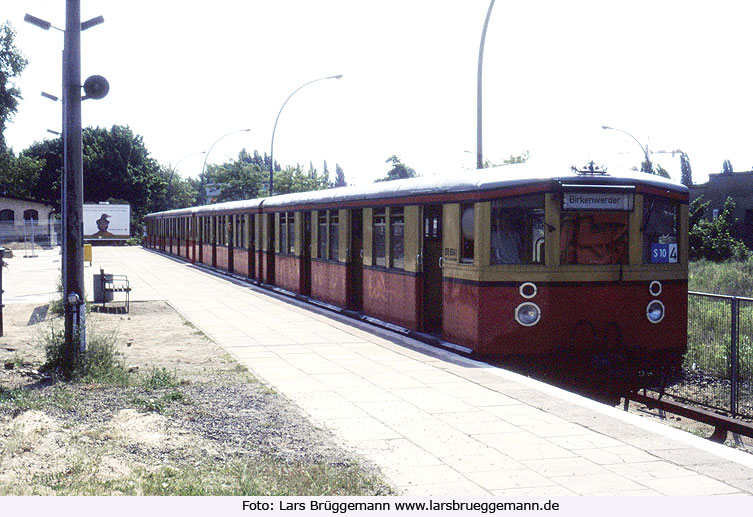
(660, 223)
(517, 230)
(594, 238)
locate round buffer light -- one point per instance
(527, 314)
(655, 288)
(655, 311)
(528, 290)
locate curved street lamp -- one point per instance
(479, 140)
(645, 150)
(169, 199)
(272, 146)
(203, 168)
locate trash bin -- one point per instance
(102, 295)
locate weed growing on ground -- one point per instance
(99, 363)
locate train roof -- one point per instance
(531, 173)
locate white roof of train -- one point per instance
(507, 176)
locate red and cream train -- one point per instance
(519, 260)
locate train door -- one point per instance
(432, 271)
(230, 242)
(250, 237)
(306, 254)
(355, 261)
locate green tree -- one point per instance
(512, 160)
(661, 171)
(243, 178)
(339, 177)
(727, 167)
(19, 175)
(398, 171)
(12, 63)
(116, 164)
(50, 152)
(293, 179)
(686, 173)
(711, 239)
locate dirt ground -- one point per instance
(212, 408)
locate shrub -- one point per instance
(99, 363)
(710, 239)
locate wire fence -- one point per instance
(717, 370)
(30, 234)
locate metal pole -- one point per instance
(479, 139)
(206, 155)
(734, 344)
(272, 145)
(2, 265)
(73, 289)
(645, 150)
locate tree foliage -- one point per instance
(512, 160)
(116, 165)
(686, 173)
(661, 171)
(247, 177)
(727, 167)
(12, 63)
(398, 171)
(339, 177)
(711, 239)
(19, 175)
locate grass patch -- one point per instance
(733, 278)
(210, 477)
(161, 378)
(25, 398)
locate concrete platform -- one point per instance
(436, 423)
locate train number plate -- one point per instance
(664, 253)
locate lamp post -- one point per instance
(73, 184)
(206, 155)
(168, 194)
(272, 146)
(649, 166)
(479, 139)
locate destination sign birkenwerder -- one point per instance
(597, 201)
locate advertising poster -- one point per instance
(109, 222)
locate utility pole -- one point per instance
(73, 288)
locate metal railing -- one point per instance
(717, 370)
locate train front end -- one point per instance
(587, 267)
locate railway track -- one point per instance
(723, 424)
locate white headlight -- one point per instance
(655, 311)
(527, 314)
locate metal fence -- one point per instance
(717, 370)
(30, 234)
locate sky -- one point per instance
(182, 74)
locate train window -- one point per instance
(517, 230)
(291, 232)
(283, 233)
(240, 231)
(379, 238)
(467, 223)
(660, 229)
(321, 236)
(334, 235)
(594, 238)
(397, 242)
